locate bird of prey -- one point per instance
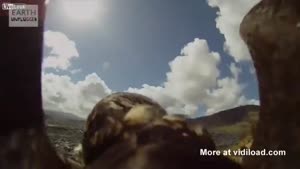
(131, 131)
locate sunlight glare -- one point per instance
(81, 10)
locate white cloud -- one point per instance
(105, 66)
(171, 104)
(75, 71)
(194, 80)
(62, 50)
(227, 94)
(235, 71)
(193, 72)
(230, 14)
(252, 70)
(251, 102)
(62, 94)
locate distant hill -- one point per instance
(63, 119)
(229, 127)
(226, 117)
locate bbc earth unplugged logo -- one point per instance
(21, 15)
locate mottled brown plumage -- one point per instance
(23, 140)
(130, 131)
(272, 32)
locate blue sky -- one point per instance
(127, 44)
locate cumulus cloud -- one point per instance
(227, 94)
(170, 103)
(62, 94)
(194, 80)
(105, 66)
(252, 70)
(193, 72)
(62, 50)
(59, 91)
(251, 102)
(230, 14)
(75, 71)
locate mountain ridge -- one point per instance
(225, 117)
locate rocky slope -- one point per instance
(229, 127)
(65, 132)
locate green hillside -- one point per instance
(231, 129)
